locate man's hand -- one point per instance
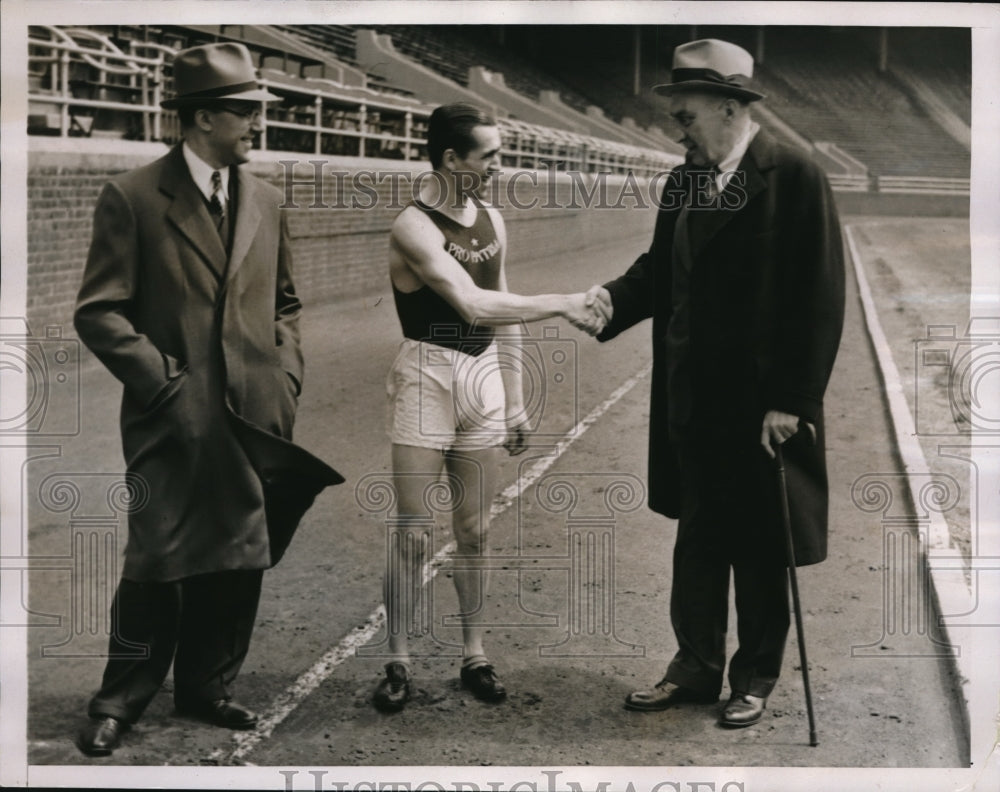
(589, 318)
(778, 427)
(599, 299)
(517, 438)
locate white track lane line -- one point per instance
(951, 596)
(296, 693)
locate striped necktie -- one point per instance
(215, 203)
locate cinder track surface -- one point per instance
(884, 697)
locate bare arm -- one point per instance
(511, 369)
(418, 241)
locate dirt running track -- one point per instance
(890, 704)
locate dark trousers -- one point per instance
(727, 528)
(202, 624)
(699, 611)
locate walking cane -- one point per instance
(786, 521)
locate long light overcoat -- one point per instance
(766, 312)
(207, 348)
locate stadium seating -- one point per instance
(824, 86)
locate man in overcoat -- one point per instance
(187, 298)
(744, 282)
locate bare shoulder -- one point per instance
(413, 226)
(412, 237)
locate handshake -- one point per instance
(589, 311)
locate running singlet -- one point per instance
(425, 315)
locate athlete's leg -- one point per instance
(473, 476)
(414, 470)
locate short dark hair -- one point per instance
(185, 114)
(450, 127)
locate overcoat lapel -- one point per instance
(704, 225)
(247, 222)
(190, 215)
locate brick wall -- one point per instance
(339, 250)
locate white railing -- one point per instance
(82, 83)
(93, 87)
(847, 182)
(924, 185)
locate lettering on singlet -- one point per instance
(426, 316)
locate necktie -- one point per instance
(218, 210)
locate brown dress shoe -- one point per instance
(101, 735)
(665, 695)
(743, 710)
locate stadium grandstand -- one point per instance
(885, 112)
(870, 105)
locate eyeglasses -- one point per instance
(254, 114)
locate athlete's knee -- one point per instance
(471, 534)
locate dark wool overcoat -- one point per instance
(207, 348)
(766, 307)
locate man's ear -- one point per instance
(450, 159)
(203, 120)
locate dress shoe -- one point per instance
(665, 695)
(101, 735)
(482, 681)
(743, 710)
(220, 712)
(393, 691)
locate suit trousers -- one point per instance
(723, 531)
(202, 624)
(699, 610)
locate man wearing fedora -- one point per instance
(187, 298)
(744, 281)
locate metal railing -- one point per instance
(923, 185)
(82, 83)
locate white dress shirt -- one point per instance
(731, 162)
(201, 172)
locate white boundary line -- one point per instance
(950, 593)
(289, 699)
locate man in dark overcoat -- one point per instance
(187, 298)
(744, 281)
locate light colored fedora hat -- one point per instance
(215, 71)
(711, 65)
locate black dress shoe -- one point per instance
(220, 712)
(393, 691)
(101, 735)
(743, 710)
(665, 695)
(482, 681)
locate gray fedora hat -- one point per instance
(208, 72)
(711, 65)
